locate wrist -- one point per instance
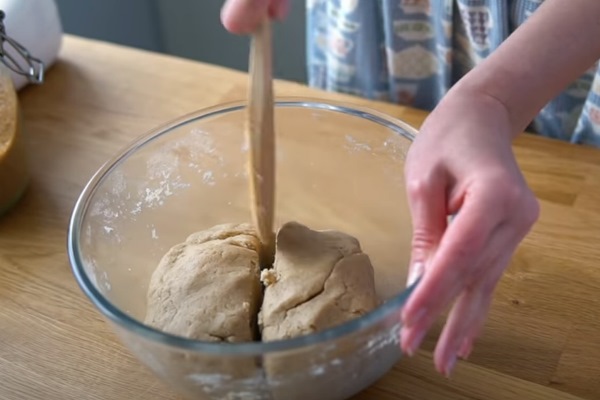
(468, 103)
(494, 90)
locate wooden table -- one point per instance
(542, 340)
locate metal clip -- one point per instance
(30, 67)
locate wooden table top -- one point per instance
(542, 340)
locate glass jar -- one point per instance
(14, 169)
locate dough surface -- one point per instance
(208, 288)
(320, 279)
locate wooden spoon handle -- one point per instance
(261, 140)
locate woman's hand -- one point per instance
(462, 162)
(242, 16)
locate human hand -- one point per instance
(243, 16)
(462, 161)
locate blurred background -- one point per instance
(185, 28)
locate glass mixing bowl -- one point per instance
(338, 167)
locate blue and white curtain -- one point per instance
(412, 51)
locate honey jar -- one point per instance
(14, 170)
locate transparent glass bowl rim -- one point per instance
(134, 326)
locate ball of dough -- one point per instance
(208, 288)
(320, 279)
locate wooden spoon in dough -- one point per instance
(261, 139)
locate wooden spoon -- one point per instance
(261, 139)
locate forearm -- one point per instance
(555, 46)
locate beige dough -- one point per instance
(208, 287)
(320, 279)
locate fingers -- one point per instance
(427, 203)
(458, 252)
(469, 313)
(464, 324)
(243, 16)
(412, 336)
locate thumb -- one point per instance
(243, 16)
(427, 204)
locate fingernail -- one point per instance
(415, 342)
(450, 366)
(415, 272)
(465, 349)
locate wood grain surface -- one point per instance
(542, 340)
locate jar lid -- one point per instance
(23, 63)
